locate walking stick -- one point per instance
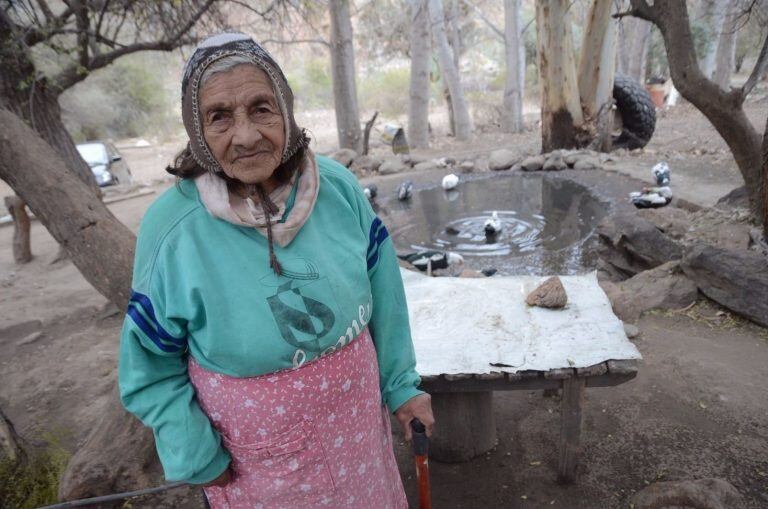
(421, 452)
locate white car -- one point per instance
(106, 163)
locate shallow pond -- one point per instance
(547, 223)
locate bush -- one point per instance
(33, 482)
(127, 98)
(312, 85)
(386, 91)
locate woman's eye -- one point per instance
(217, 117)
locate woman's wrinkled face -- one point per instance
(242, 124)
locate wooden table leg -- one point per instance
(570, 428)
(464, 425)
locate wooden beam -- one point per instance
(570, 429)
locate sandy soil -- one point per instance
(697, 409)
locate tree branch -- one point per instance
(297, 41)
(494, 28)
(758, 72)
(35, 35)
(74, 74)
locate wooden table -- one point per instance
(463, 407)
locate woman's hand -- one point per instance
(418, 406)
(220, 481)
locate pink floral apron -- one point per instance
(315, 436)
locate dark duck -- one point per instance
(654, 197)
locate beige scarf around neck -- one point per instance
(248, 212)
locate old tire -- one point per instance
(638, 114)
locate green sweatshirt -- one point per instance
(203, 286)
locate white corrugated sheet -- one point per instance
(464, 325)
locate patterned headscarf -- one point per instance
(212, 49)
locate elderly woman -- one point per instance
(267, 332)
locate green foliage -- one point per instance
(311, 84)
(33, 482)
(387, 91)
(128, 98)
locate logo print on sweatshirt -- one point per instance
(297, 306)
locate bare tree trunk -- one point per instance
(22, 252)
(454, 38)
(99, 245)
(512, 113)
(596, 70)
(343, 74)
(418, 106)
(102, 249)
(764, 183)
(28, 94)
(561, 114)
(634, 41)
(715, 14)
(118, 455)
(723, 109)
(449, 71)
(726, 47)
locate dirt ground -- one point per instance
(698, 407)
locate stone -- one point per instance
(467, 166)
(631, 331)
(344, 156)
(699, 493)
(672, 221)
(549, 294)
(664, 287)
(392, 165)
(426, 166)
(633, 244)
(587, 163)
(571, 156)
(414, 159)
(501, 159)
(733, 236)
(737, 198)
(516, 167)
(364, 165)
(28, 340)
(533, 163)
(736, 279)
(554, 162)
(470, 273)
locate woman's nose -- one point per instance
(246, 133)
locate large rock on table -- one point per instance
(632, 244)
(665, 287)
(735, 279)
(549, 294)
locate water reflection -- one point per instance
(546, 224)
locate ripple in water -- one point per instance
(467, 236)
(546, 224)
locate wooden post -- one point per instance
(570, 428)
(22, 252)
(467, 426)
(367, 132)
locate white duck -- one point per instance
(450, 181)
(654, 197)
(492, 225)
